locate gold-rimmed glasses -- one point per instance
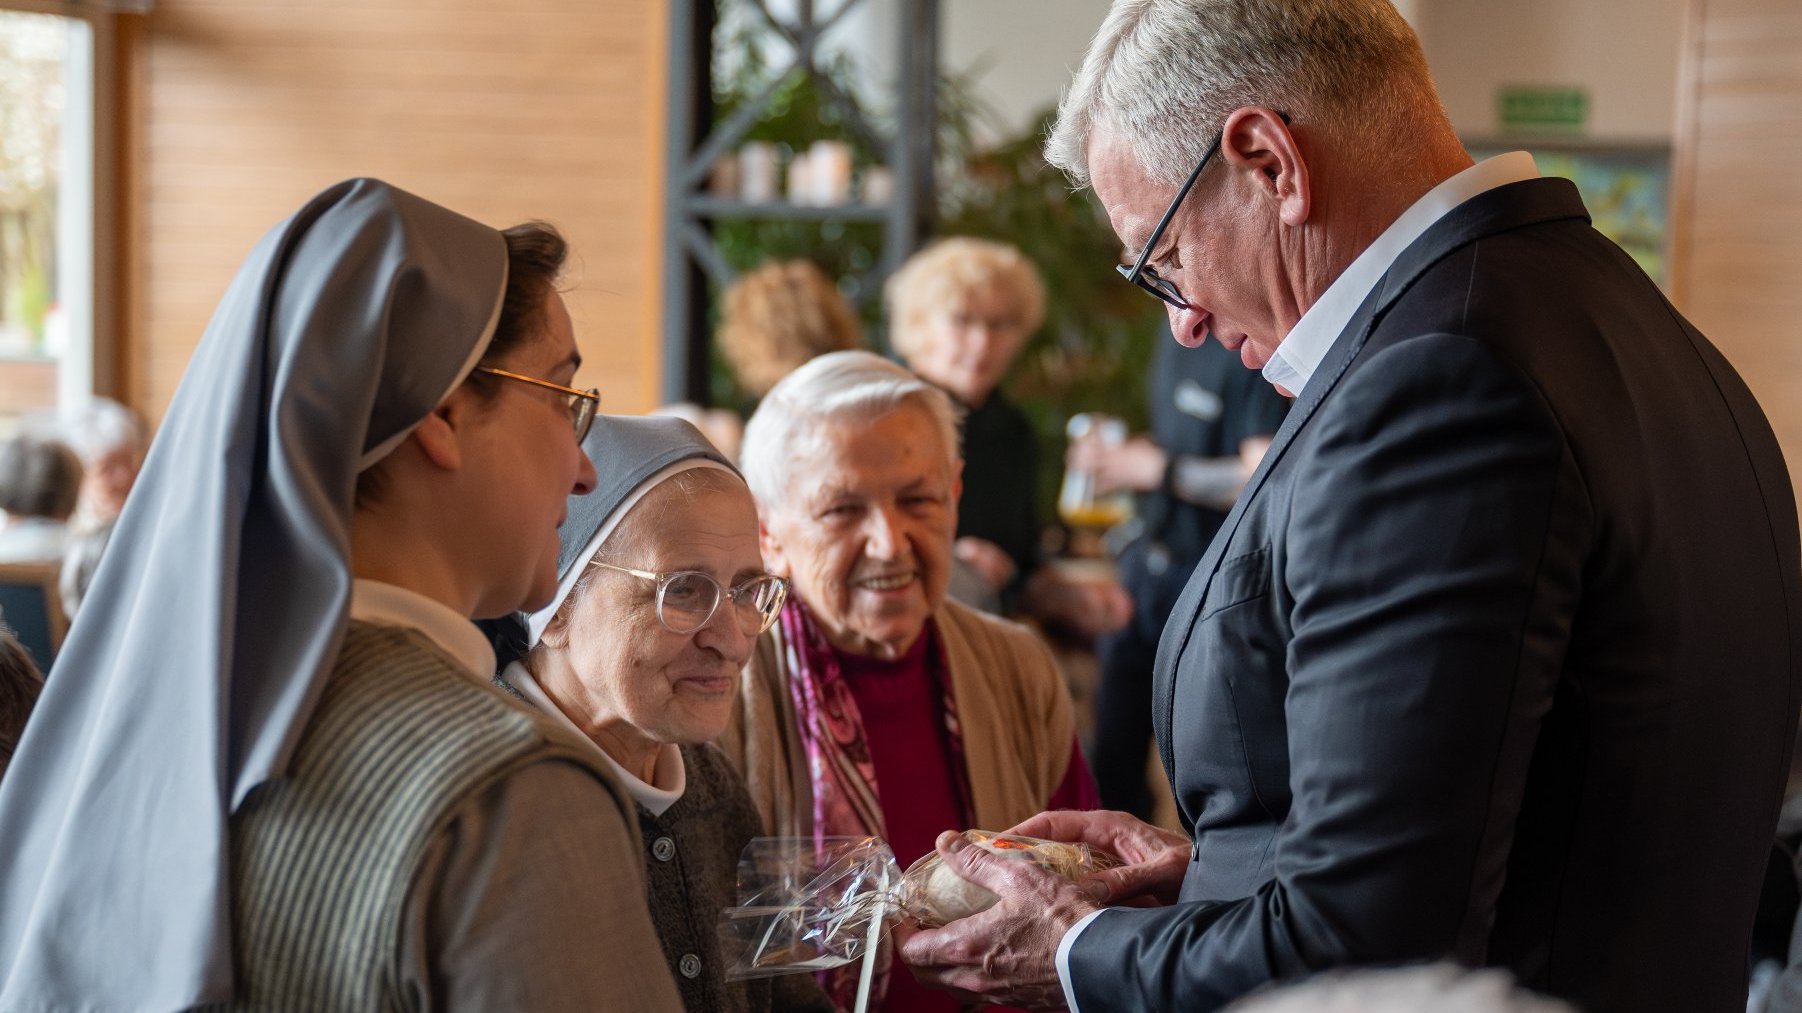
(687, 599)
(581, 403)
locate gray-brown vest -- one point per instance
(323, 859)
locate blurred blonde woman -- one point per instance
(960, 311)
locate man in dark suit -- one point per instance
(1497, 658)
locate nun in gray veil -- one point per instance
(660, 597)
(268, 769)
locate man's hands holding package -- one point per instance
(1008, 954)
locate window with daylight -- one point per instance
(46, 210)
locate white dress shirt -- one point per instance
(1301, 351)
(32, 539)
(1307, 342)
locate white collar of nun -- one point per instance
(372, 601)
(669, 777)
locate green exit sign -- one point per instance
(1538, 107)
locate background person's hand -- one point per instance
(1251, 454)
(1136, 465)
(1154, 859)
(994, 566)
(1006, 955)
(1091, 606)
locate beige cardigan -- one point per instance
(1012, 704)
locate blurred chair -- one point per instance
(31, 605)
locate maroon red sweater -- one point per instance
(905, 729)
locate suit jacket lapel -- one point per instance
(1187, 611)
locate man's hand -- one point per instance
(1007, 954)
(1154, 859)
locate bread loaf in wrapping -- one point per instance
(936, 895)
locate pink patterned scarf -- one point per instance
(846, 801)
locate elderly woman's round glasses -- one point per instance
(581, 403)
(687, 599)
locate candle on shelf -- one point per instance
(829, 172)
(878, 185)
(757, 171)
(800, 179)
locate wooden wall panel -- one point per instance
(1737, 209)
(501, 109)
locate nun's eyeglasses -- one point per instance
(581, 403)
(687, 599)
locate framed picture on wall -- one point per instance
(1625, 186)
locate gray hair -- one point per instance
(101, 427)
(1165, 74)
(840, 388)
(1440, 988)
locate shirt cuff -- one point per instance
(1063, 957)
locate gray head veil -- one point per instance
(632, 456)
(221, 604)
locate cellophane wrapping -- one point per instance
(807, 906)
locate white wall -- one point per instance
(1024, 52)
(865, 32)
(1624, 52)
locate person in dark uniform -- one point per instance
(1211, 419)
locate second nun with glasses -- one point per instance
(661, 594)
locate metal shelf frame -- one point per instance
(691, 259)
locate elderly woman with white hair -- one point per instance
(960, 311)
(660, 596)
(111, 440)
(877, 706)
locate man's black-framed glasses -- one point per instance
(1144, 275)
(687, 599)
(580, 403)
